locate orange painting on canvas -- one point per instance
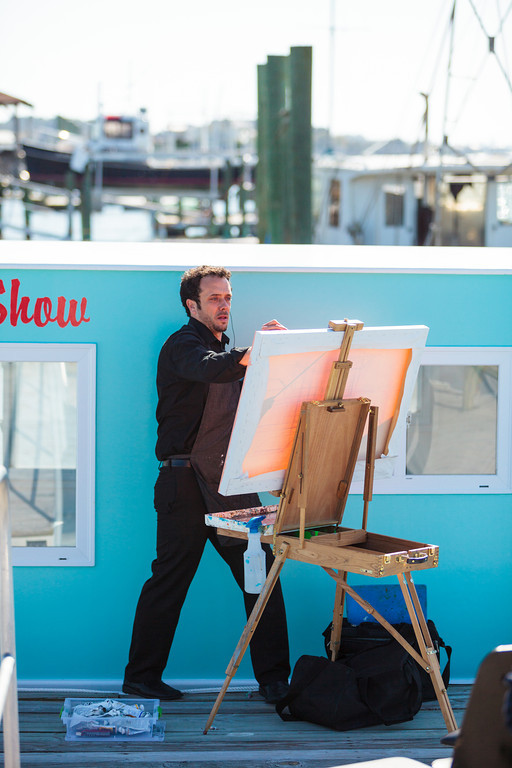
(378, 374)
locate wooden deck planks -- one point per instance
(246, 732)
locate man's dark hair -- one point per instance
(191, 279)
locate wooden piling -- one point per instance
(283, 180)
(227, 181)
(262, 190)
(242, 198)
(26, 206)
(70, 186)
(276, 68)
(85, 203)
(300, 145)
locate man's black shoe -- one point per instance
(158, 690)
(274, 692)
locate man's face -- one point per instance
(214, 304)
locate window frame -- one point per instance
(334, 206)
(84, 355)
(500, 183)
(501, 482)
(394, 203)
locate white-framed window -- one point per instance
(47, 445)
(459, 431)
(394, 205)
(504, 201)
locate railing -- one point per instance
(14, 190)
(8, 685)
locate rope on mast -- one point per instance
(491, 40)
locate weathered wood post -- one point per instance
(85, 202)
(227, 181)
(26, 206)
(70, 186)
(283, 181)
(276, 66)
(242, 198)
(284, 148)
(300, 145)
(262, 189)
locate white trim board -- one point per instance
(188, 684)
(241, 257)
(99, 686)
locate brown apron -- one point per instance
(210, 447)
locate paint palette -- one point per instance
(238, 519)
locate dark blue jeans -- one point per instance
(181, 538)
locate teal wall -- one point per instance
(75, 623)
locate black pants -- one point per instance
(181, 538)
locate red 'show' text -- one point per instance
(42, 310)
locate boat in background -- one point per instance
(447, 198)
(120, 153)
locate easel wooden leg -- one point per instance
(377, 616)
(249, 630)
(427, 658)
(426, 647)
(337, 617)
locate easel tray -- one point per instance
(377, 555)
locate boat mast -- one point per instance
(332, 45)
(425, 149)
(425, 121)
(444, 143)
(97, 193)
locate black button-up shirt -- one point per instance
(190, 360)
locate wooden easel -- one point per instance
(313, 499)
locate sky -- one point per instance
(196, 61)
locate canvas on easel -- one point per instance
(288, 368)
(325, 448)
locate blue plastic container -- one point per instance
(387, 599)
(112, 729)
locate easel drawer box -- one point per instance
(378, 556)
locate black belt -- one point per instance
(176, 463)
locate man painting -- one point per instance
(198, 383)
